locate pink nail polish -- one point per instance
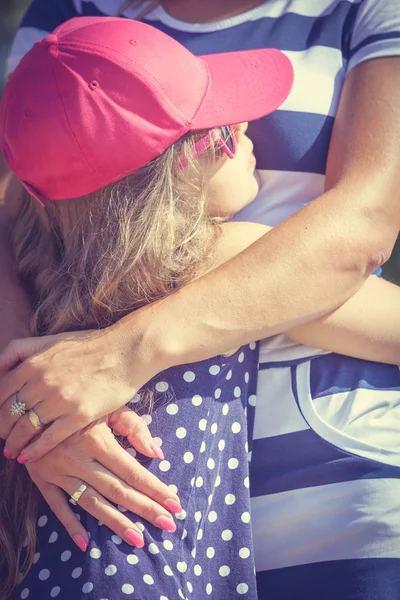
(173, 506)
(7, 454)
(22, 459)
(80, 542)
(156, 449)
(165, 523)
(134, 538)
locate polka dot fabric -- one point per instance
(202, 414)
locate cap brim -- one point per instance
(244, 86)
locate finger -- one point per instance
(118, 492)
(7, 420)
(19, 350)
(11, 383)
(95, 504)
(22, 432)
(127, 423)
(58, 503)
(137, 477)
(53, 435)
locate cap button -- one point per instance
(50, 40)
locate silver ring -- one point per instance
(74, 499)
(17, 409)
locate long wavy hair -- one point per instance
(89, 261)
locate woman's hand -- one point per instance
(71, 380)
(113, 476)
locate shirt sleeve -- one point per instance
(41, 18)
(376, 31)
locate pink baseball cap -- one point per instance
(101, 97)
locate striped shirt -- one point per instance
(325, 476)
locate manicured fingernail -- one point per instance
(80, 542)
(173, 506)
(134, 538)
(22, 459)
(166, 523)
(7, 454)
(156, 449)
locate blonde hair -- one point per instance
(89, 261)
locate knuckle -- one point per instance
(33, 364)
(149, 513)
(89, 502)
(117, 494)
(135, 480)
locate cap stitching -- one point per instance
(68, 120)
(200, 106)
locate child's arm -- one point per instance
(367, 326)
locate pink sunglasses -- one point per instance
(223, 137)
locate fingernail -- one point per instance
(134, 538)
(156, 449)
(22, 459)
(80, 542)
(7, 454)
(166, 523)
(173, 505)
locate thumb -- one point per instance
(19, 350)
(127, 423)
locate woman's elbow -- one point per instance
(370, 253)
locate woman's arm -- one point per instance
(366, 326)
(303, 269)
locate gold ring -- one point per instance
(76, 495)
(35, 421)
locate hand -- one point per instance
(71, 380)
(95, 457)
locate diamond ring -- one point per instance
(17, 409)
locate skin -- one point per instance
(354, 225)
(232, 183)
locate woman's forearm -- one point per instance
(301, 270)
(317, 259)
(367, 326)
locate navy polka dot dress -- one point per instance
(202, 414)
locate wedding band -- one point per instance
(76, 495)
(35, 421)
(17, 409)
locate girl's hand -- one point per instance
(71, 380)
(113, 476)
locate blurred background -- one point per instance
(11, 13)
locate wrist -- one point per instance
(144, 339)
